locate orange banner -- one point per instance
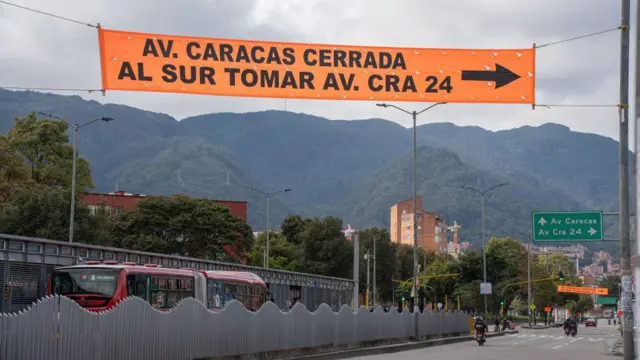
(583, 290)
(165, 63)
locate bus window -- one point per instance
(165, 292)
(142, 287)
(215, 296)
(131, 285)
(90, 287)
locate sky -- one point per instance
(44, 52)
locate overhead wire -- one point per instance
(49, 14)
(576, 105)
(619, 27)
(25, 88)
(549, 106)
(535, 46)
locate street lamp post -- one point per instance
(484, 253)
(75, 127)
(265, 259)
(414, 115)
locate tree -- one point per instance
(184, 226)
(13, 173)
(42, 146)
(325, 249)
(282, 254)
(611, 282)
(35, 177)
(385, 258)
(507, 258)
(560, 262)
(468, 285)
(43, 211)
(291, 226)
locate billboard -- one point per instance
(132, 61)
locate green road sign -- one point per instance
(567, 226)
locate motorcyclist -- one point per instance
(570, 322)
(480, 325)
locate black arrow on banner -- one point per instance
(501, 76)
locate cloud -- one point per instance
(38, 51)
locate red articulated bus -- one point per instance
(99, 286)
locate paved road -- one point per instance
(548, 344)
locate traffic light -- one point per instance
(560, 276)
(501, 302)
(402, 297)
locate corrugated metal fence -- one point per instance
(56, 328)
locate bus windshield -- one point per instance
(96, 283)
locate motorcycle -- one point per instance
(480, 335)
(572, 330)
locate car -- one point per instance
(591, 322)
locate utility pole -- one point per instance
(375, 259)
(546, 253)
(265, 255)
(529, 280)
(75, 127)
(368, 258)
(356, 271)
(636, 156)
(484, 254)
(484, 239)
(625, 243)
(414, 115)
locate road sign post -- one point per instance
(567, 226)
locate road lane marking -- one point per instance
(555, 347)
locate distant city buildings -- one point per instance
(431, 227)
(601, 266)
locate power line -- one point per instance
(620, 27)
(48, 89)
(576, 105)
(49, 14)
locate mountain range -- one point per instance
(354, 169)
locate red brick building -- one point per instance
(127, 201)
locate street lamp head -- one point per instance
(287, 190)
(106, 119)
(382, 105)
